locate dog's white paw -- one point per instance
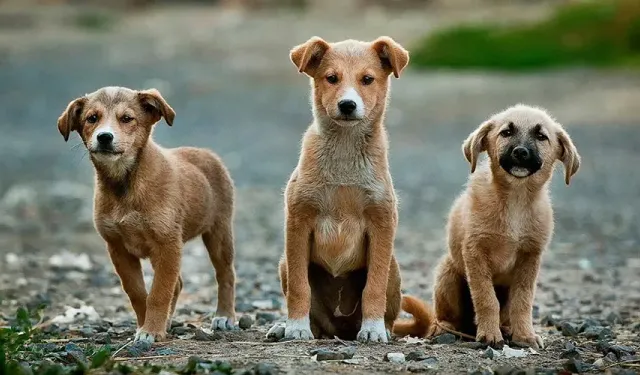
(373, 331)
(298, 329)
(276, 332)
(222, 323)
(144, 337)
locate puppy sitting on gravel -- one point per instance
(149, 201)
(338, 273)
(499, 227)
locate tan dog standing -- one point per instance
(499, 227)
(338, 272)
(149, 201)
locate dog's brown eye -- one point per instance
(332, 79)
(367, 80)
(125, 119)
(92, 119)
(541, 137)
(506, 133)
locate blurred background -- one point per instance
(224, 67)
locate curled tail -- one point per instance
(423, 318)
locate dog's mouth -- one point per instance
(520, 168)
(106, 152)
(346, 120)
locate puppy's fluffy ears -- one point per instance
(568, 155)
(155, 104)
(475, 144)
(308, 55)
(393, 56)
(69, 120)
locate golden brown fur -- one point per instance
(149, 201)
(338, 272)
(499, 227)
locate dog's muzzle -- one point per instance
(521, 161)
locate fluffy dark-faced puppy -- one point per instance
(150, 200)
(339, 273)
(498, 229)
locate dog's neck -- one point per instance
(118, 177)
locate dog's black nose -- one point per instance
(521, 153)
(105, 139)
(347, 106)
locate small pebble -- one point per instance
(489, 353)
(394, 358)
(201, 335)
(416, 356)
(569, 329)
(576, 366)
(245, 322)
(265, 369)
(446, 338)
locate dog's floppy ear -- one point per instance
(154, 103)
(475, 144)
(69, 120)
(568, 155)
(307, 56)
(393, 56)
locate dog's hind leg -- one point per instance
(219, 243)
(448, 298)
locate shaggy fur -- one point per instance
(498, 229)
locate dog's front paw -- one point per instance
(492, 337)
(144, 336)
(373, 331)
(222, 323)
(528, 340)
(276, 332)
(298, 329)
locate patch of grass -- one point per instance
(591, 33)
(22, 352)
(94, 20)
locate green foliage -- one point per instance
(594, 33)
(23, 353)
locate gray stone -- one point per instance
(394, 358)
(245, 322)
(446, 338)
(201, 335)
(569, 329)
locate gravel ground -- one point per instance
(240, 96)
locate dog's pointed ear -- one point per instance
(475, 144)
(393, 56)
(69, 120)
(568, 155)
(308, 55)
(155, 104)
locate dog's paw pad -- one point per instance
(373, 331)
(222, 323)
(298, 329)
(276, 332)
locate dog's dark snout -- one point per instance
(521, 153)
(347, 106)
(105, 138)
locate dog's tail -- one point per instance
(423, 318)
